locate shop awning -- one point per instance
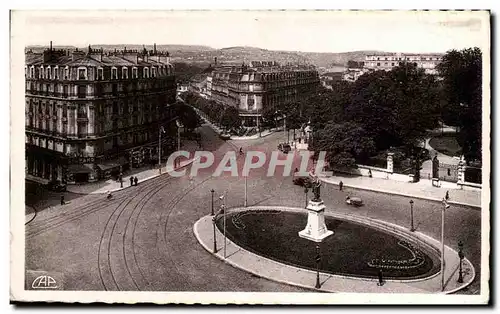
(79, 169)
(111, 164)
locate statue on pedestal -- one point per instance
(316, 189)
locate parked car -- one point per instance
(225, 136)
(56, 186)
(303, 181)
(284, 147)
(355, 201)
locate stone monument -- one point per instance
(316, 228)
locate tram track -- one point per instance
(104, 251)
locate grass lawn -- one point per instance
(274, 234)
(447, 145)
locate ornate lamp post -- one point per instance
(411, 215)
(214, 218)
(445, 206)
(461, 256)
(306, 190)
(212, 191)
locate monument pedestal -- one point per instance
(316, 228)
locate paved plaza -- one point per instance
(143, 238)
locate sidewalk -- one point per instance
(276, 271)
(236, 138)
(422, 189)
(102, 187)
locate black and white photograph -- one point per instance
(250, 156)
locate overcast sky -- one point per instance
(313, 31)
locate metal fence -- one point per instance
(473, 175)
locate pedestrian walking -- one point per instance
(135, 181)
(341, 185)
(380, 278)
(447, 196)
(370, 173)
(62, 200)
(131, 181)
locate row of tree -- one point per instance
(224, 116)
(397, 108)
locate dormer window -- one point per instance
(48, 73)
(124, 73)
(134, 73)
(32, 72)
(25, 72)
(66, 73)
(114, 73)
(100, 74)
(146, 73)
(40, 73)
(153, 72)
(56, 73)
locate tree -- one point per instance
(355, 64)
(462, 86)
(344, 143)
(188, 117)
(230, 118)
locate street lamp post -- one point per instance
(411, 214)
(215, 236)
(445, 206)
(318, 261)
(461, 257)
(212, 191)
(160, 131)
(284, 129)
(178, 138)
(246, 195)
(306, 190)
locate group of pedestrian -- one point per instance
(133, 181)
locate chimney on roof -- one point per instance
(154, 48)
(50, 45)
(168, 57)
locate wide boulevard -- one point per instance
(143, 239)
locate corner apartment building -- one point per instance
(253, 87)
(91, 114)
(387, 61)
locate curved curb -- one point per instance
(31, 216)
(358, 187)
(358, 219)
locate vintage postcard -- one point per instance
(250, 157)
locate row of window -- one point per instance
(407, 58)
(393, 63)
(54, 73)
(274, 76)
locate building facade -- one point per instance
(251, 88)
(92, 115)
(387, 61)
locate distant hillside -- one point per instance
(206, 55)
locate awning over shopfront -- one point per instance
(80, 169)
(111, 164)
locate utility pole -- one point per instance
(178, 138)
(445, 206)
(258, 125)
(245, 202)
(284, 125)
(160, 131)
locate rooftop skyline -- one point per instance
(307, 31)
